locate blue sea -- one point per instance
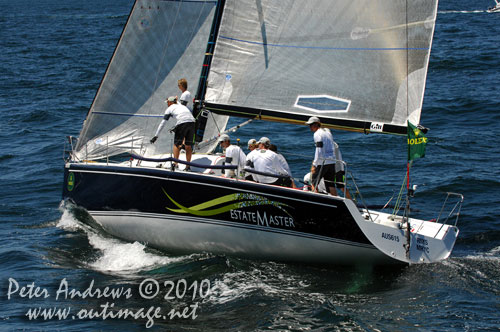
(60, 274)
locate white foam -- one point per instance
(493, 255)
(118, 256)
(495, 251)
(238, 285)
(68, 221)
(461, 11)
(115, 256)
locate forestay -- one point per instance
(161, 42)
(357, 64)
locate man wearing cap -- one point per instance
(266, 161)
(234, 155)
(184, 127)
(253, 147)
(252, 144)
(323, 165)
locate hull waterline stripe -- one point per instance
(230, 224)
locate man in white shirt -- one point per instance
(184, 127)
(323, 165)
(266, 161)
(234, 156)
(289, 182)
(185, 98)
(252, 144)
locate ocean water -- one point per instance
(53, 55)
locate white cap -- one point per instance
(313, 119)
(223, 138)
(172, 99)
(252, 141)
(264, 140)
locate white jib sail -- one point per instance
(162, 42)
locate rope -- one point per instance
(400, 196)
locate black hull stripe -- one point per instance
(210, 185)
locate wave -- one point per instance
(6, 157)
(267, 279)
(461, 11)
(111, 255)
(118, 256)
(493, 255)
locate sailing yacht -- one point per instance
(358, 65)
(496, 8)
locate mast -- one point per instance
(199, 113)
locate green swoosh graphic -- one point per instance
(213, 202)
(248, 200)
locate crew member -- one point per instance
(184, 128)
(234, 156)
(266, 161)
(323, 165)
(185, 98)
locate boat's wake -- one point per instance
(492, 255)
(111, 255)
(477, 270)
(462, 11)
(241, 284)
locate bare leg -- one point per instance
(176, 151)
(189, 152)
(346, 193)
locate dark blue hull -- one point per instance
(212, 213)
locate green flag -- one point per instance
(416, 142)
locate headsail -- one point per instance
(357, 64)
(162, 42)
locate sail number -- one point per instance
(391, 237)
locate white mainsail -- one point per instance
(162, 42)
(351, 62)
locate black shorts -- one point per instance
(331, 178)
(325, 172)
(340, 179)
(184, 133)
